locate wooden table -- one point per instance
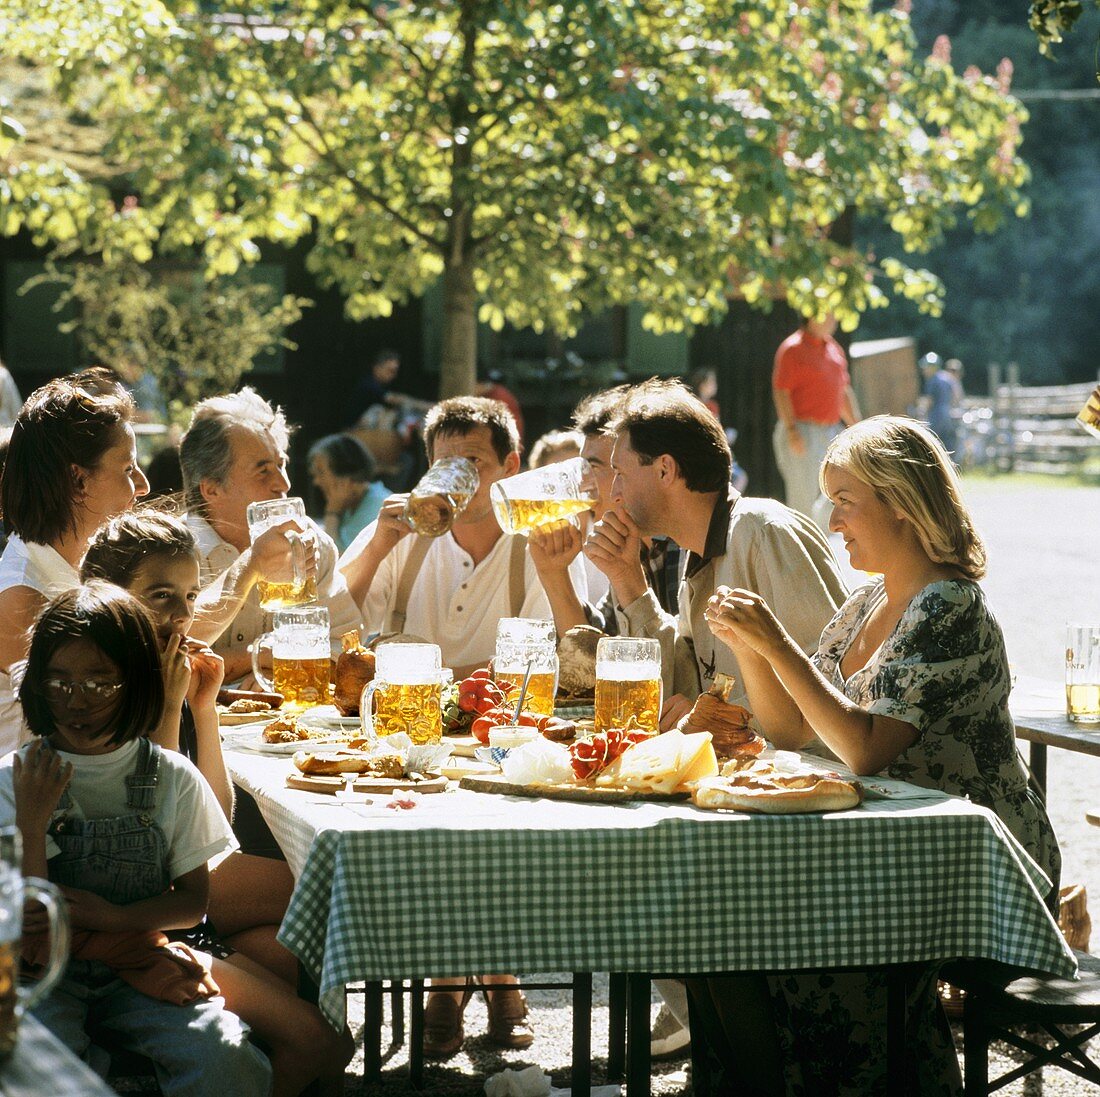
(1039, 713)
(41, 1064)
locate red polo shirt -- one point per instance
(815, 373)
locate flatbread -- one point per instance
(777, 793)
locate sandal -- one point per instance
(509, 1026)
(443, 1034)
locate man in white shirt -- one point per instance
(235, 453)
(470, 577)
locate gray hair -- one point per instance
(206, 449)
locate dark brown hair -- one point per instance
(462, 414)
(71, 421)
(118, 624)
(595, 414)
(123, 544)
(664, 417)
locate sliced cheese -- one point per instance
(661, 764)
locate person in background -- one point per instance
(71, 465)
(941, 390)
(910, 680)
(342, 469)
(813, 396)
(703, 383)
(10, 400)
(377, 387)
(554, 445)
(490, 385)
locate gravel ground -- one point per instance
(1042, 541)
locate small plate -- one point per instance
(326, 716)
(253, 739)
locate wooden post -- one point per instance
(997, 426)
(1013, 385)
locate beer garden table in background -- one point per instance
(41, 1064)
(1039, 714)
(472, 882)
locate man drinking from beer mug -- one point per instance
(235, 453)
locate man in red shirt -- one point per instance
(813, 396)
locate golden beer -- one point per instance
(432, 515)
(524, 515)
(303, 682)
(414, 708)
(618, 699)
(9, 982)
(1083, 703)
(275, 596)
(541, 689)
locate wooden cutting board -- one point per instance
(581, 794)
(316, 783)
(462, 746)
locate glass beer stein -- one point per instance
(301, 655)
(300, 589)
(15, 1000)
(628, 683)
(442, 494)
(520, 640)
(541, 497)
(1083, 673)
(406, 694)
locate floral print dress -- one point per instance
(944, 670)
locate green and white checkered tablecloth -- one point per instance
(470, 883)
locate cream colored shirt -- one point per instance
(455, 603)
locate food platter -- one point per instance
(327, 716)
(428, 782)
(228, 719)
(252, 738)
(576, 793)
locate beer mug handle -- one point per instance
(298, 556)
(54, 902)
(366, 708)
(264, 641)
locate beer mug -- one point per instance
(301, 653)
(442, 494)
(300, 589)
(406, 694)
(1083, 674)
(523, 640)
(628, 683)
(540, 497)
(15, 1000)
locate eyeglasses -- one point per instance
(94, 690)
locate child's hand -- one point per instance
(176, 671)
(89, 911)
(207, 675)
(38, 780)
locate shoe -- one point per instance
(668, 1038)
(508, 1023)
(443, 1033)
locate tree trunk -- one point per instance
(458, 356)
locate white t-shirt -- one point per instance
(454, 603)
(186, 810)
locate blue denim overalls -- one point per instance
(198, 1050)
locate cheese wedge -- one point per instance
(662, 764)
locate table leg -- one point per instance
(616, 1026)
(582, 1034)
(372, 1032)
(896, 1067)
(416, 1033)
(397, 1011)
(1038, 759)
(637, 1035)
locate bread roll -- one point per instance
(354, 669)
(777, 794)
(349, 761)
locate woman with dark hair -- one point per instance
(71, 465)
(342, 470)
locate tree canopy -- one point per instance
(540, 158)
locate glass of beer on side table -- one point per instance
(299, 588)
(406, 694)
(628, 683)
(301, 652)
(523, 640)
(1083, 673)
(541, 497)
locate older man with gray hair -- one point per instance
(235, 453)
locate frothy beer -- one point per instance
(303, 682)
(413, 708)
(541, 689)
(275, 596)
(524, 515)
(635, 691)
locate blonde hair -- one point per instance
(911, 472)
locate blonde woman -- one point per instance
(910, 679)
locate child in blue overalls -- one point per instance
(126, 829)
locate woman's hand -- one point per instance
(38, 781)
(207, 674)
(176, 671)
(742, 620)
(89, 911)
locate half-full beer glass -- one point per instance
(15, 1000)
(523, 640)
(1083, 673)
(628, 683)
(301, 656)
(299, 588)
(442, 494)
(541, 497)
(406, 694)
